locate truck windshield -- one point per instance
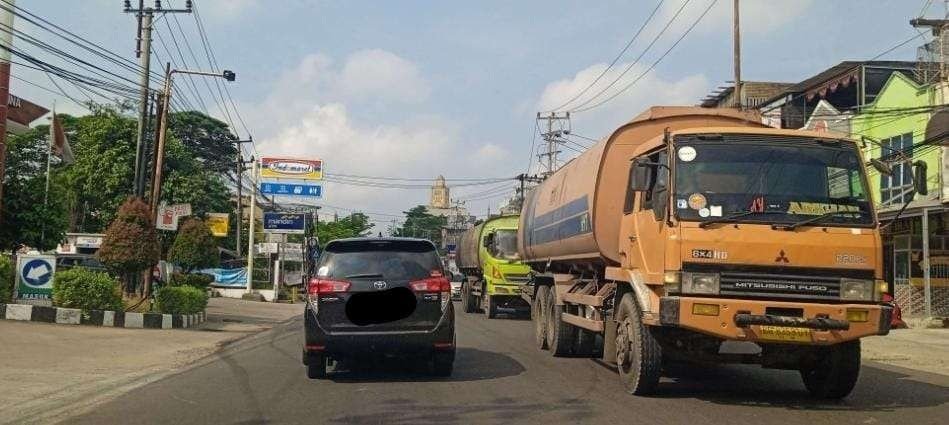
(505, 243)
(778, 181)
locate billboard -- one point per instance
(284, 222)
(218, 223)
(292, 189)
(289, 168)
(168, 215)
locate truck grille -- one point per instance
(779, 282)
(517, 277)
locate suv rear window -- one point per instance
(393, 260)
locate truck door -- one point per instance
(641, 232)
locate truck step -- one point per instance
(591, 300)
(583, 322)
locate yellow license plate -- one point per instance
(781, 333)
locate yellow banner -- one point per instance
(289, 168)
(218, 223)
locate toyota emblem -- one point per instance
(380, 285)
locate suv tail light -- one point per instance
(434, 284)
(326, 286)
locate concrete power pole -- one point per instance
(548, 159)
(6, 18)
(737, 58)
(143, 50)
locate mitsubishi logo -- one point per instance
(380, 284)
(782, 258)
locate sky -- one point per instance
(416, 89)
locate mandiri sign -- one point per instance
(289, 168)
(284, 222)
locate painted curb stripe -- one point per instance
(68, 316)
(166, 321)
(92, 317)
(43, 314)
(3, 311)
(134, 320)
(19, 312)
(108, 318)
(118, 319)
(176, 321)
(151, 320)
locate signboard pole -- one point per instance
(250, 235)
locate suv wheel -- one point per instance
(443, 362)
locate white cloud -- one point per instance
(757, 17)
(312, 111)
(650, 90)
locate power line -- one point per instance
(616, 59)
(638, 58)
(666, 53)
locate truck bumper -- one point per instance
(775, 321)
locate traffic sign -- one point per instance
(284, 222)
(35, 276)
(292, 189)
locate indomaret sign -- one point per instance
(289, 168)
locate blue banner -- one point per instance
(228, 277)
(284, 222)
(292, 189)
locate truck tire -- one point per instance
(539, 316)
(638, 354)
(585, 341)
(469, 301)
(490, 307)
(835, 373)
(316, 366)
(560, 336)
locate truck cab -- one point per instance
(493, 282)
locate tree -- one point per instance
(420, 224)
(194, 248)
(28, 219)
(354, 225)
(130, 244)
(209, 141)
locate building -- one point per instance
(457, 216)
(753, 93)
(902, 126)
(848, 86)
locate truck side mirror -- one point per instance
(488, 241)
(919, 178)
(639, 176)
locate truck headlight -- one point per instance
(857, 289)
(700, 283)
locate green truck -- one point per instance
(487, 256)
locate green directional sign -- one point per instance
(34, 276)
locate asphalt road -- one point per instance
(501, 378)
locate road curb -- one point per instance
(120, 319)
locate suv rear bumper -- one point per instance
(765, 321)
(356, 344)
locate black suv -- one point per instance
(379, 296)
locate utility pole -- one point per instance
(940, 30)
(737, 59)
(250, 232)
(548, 159)
(143, 50)
(6, 18)
(240, 199)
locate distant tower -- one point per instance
(440, 196)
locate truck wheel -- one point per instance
(468, 300)
(316, 366)
(585, 341)
(539, 316)
(490, 307)
(560, 336)
(835, 373)
(638, 354)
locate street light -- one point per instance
(163, 130)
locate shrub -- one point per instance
(181, 300)
(130, 244)
(6, 279)
(194, 247)
(197, 280)
(86, 289)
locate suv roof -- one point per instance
(365, 244)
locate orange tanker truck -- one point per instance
(700, 235)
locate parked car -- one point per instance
(68, 261)
(379, 297)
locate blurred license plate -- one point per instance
(781, 333)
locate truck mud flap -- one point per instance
(819, 323)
